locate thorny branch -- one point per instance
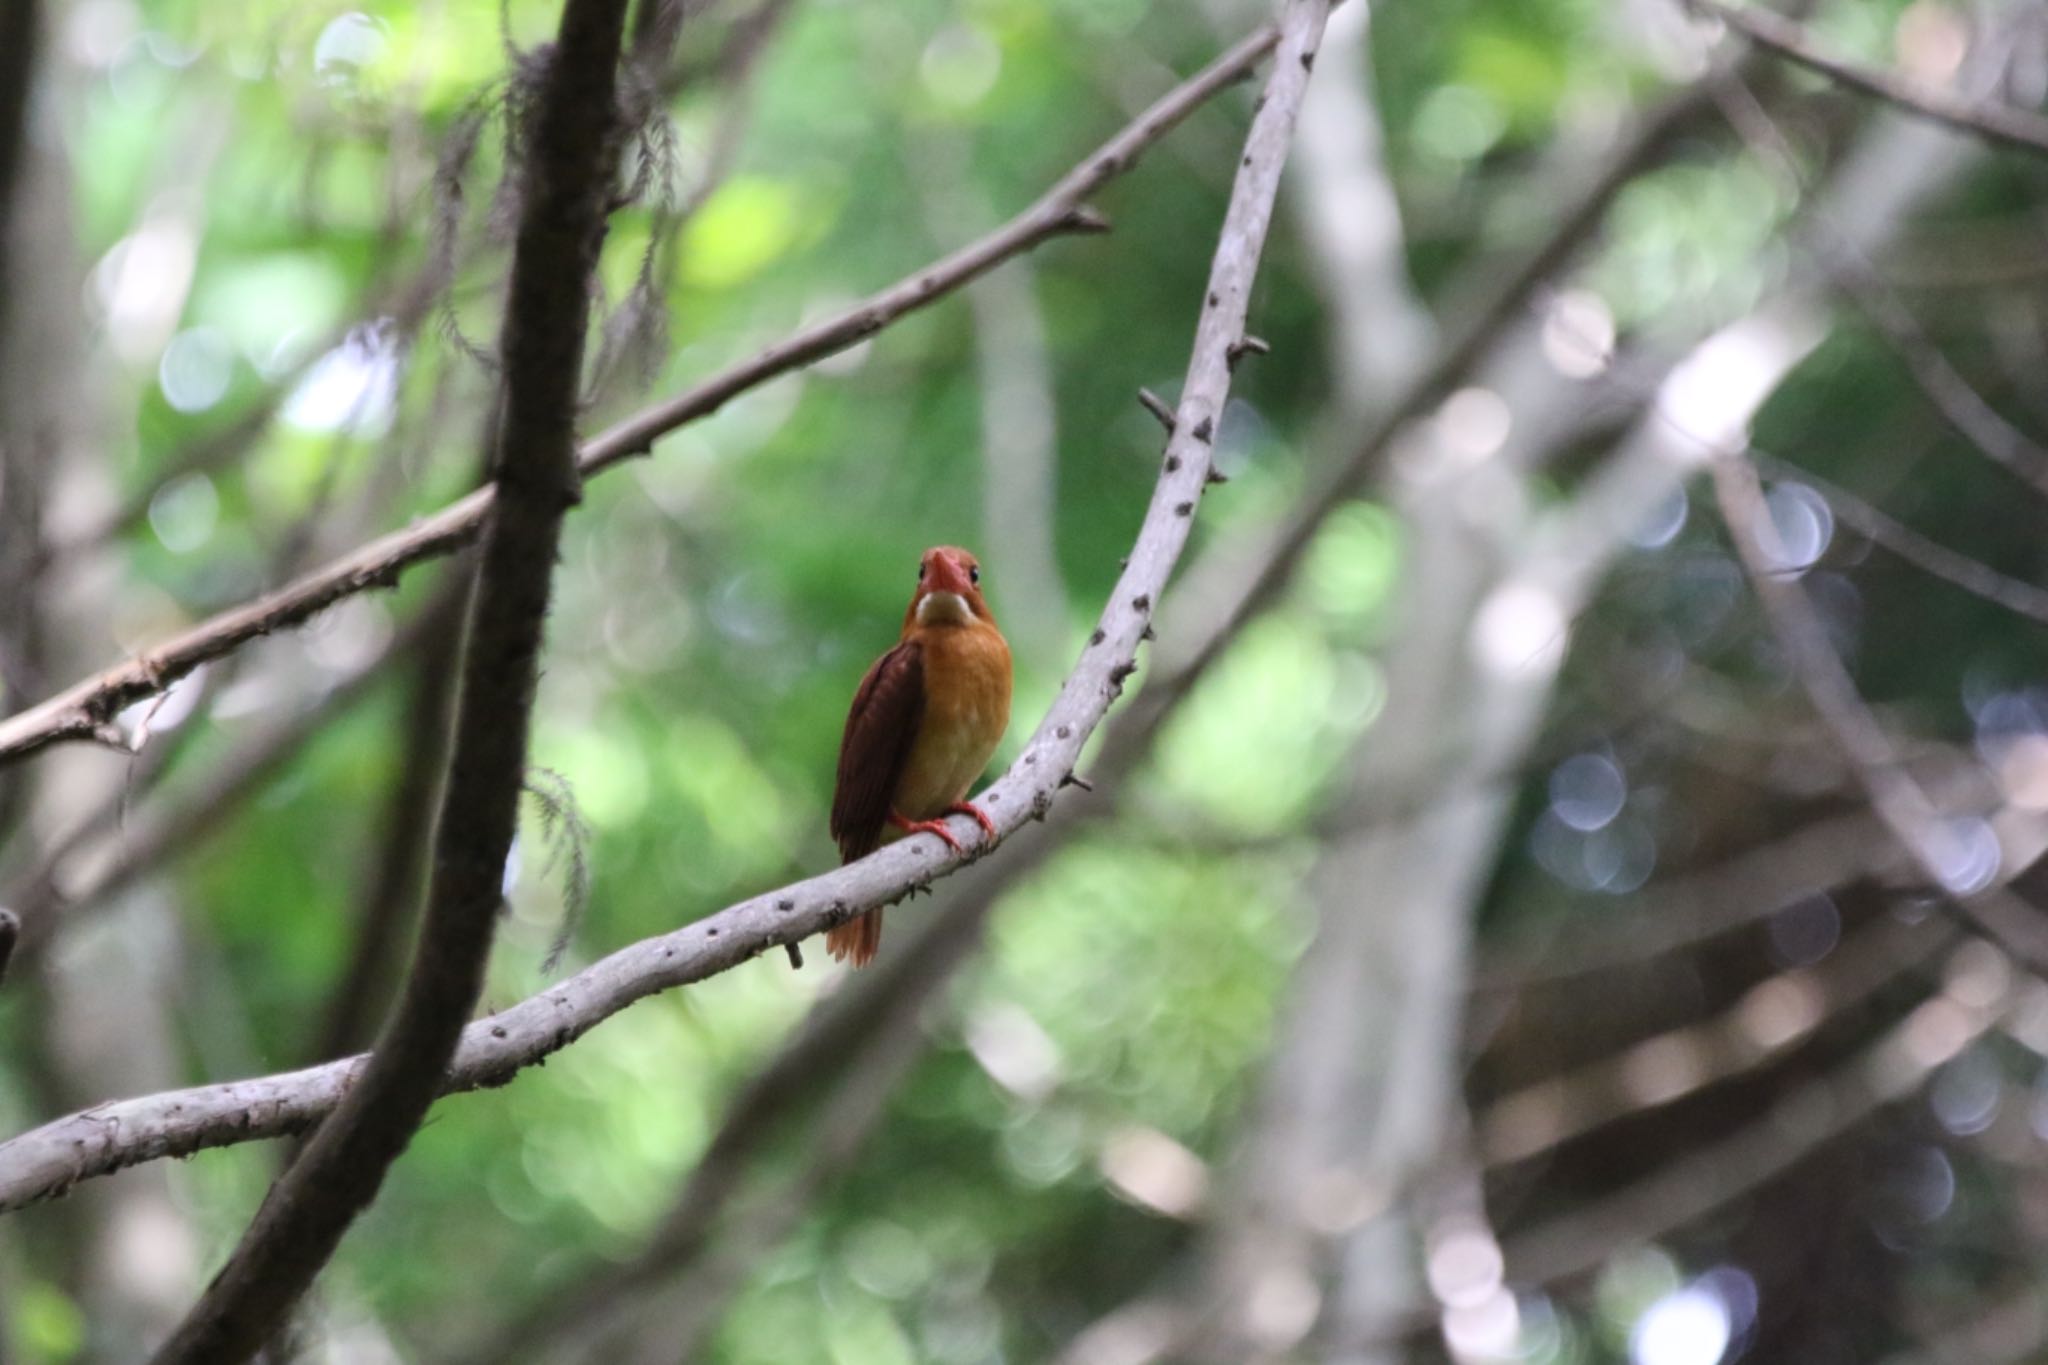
(47, 1161)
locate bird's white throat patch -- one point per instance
(936, 608)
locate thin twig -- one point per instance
(81, 710)
(2004, 124)
(1973, 576)
(1161, 410)
(42, 1163)
(1959, 402)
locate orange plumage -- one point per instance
(924, 722)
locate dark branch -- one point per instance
(1954, 396)
(570, 144)
(1717, 1173)
(392, 898)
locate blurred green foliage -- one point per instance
(272, 168)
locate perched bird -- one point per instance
(923, 724)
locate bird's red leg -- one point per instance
(988, 826)
(937, 827)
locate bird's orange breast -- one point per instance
(966, 711)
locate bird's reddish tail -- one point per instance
(857, 940)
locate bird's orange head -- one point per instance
(948, 591)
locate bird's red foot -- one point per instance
(937, 827)
(988, 826)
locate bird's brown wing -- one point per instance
(880, 729)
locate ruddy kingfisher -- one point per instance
(924, 722)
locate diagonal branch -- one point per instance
(1965, 409)
(1663, 128)
(2004, 124)
(1676, 1063)
(1924, 553)
(571, 142)
(109, 1137)
(85, 710)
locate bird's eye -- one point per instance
(973, 575)
(920, 572)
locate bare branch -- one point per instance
(1661, 129)
(78, 712)
(47, 1161)
(2003, 124)
(570, 147)
(1957, 400)
(1698, 906)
